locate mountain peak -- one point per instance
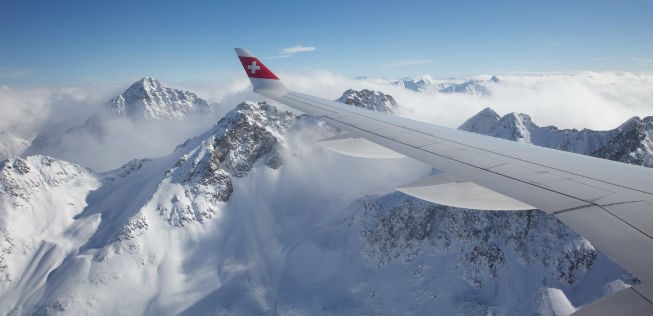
(149, 83)
(488, 112)
(483, 122)
(148, 98)
(144, 87)
(368, 99)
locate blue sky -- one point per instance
(82, 42)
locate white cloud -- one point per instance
(126, 140)
(297, 49)
(279, 56)
(28, 111)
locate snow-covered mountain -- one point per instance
(473, 86)
(367, 99)
(148, 99)
(230, 223)
(78, 217)
(632, 142)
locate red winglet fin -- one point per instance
(264, 81)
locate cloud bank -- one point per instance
(298, 49)
(587, 100)
(28, 111)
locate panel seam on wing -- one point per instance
(465, 163)
(455, 142)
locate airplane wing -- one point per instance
(609, 203)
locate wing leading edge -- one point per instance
(609, 203)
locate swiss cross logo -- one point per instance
(255, 69)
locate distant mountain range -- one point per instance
(472, 87)
(221, 225)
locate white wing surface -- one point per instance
(609, 203)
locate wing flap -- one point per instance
(624, 302)
(358, 147)
(445, 190)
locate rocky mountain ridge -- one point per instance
(631, 142)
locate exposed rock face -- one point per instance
(367, 99)
(250, 132)
(398, 228)
(201, 178)
(147, 99)
(632, 142)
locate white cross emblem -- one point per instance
(253, 67)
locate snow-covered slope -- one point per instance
(189, 186)
(39, 196)
(632, 142)
(252, 217)
(371, 100)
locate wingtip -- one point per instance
(264, 81)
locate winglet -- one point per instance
(263, 80)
